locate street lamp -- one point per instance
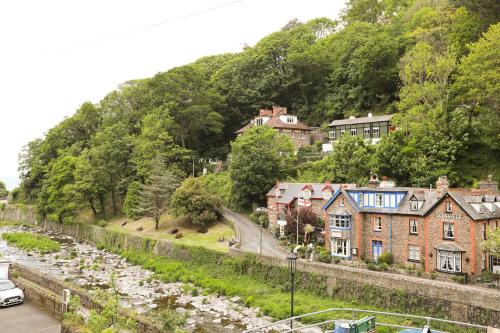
(292, 267)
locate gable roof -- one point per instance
(362, 120)
(275, 122)
(292, 191)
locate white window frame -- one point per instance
(448, 261)
(414, 205)
(340, 221)
(449, 206)
(306, 194)
(293, 134)
(342, 132)
(289, 120)
(377, 223)
(353, 131)
(342, 202)
(413, 227)
(259, 121)
(302, 134)
(331, 134)
(376, 130)
(341, 247)
(366, 130)
(448, 230)
(327, 194)
(377, 197)
(413, 252)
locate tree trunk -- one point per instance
(103, 208)
(91, 202)
(114, 201)
(157, 222)
(59, 217)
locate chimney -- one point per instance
(442, 185)
(488, 184)
(370, 115)
(373, 182)
(265, 112)
(279, 110)
(352, 117)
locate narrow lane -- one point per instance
(27, 318)
(250, 236)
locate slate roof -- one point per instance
(275, 122)
(362, 120)
(292, 191)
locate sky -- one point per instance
(55, 55)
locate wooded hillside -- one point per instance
(433, 63)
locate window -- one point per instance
(342, 202)
(377, 223)
(375, 130)
(378, 200)
(306, 194)
(449, 206)
(413, 227)
(327, 194)
(259, 121)
(303, 134)
(413, 253)
(353, 131)
(340, 247)
(289, 120)
(340, 221)
(413, 205)
(332, 134)
(342, 132)
(448, 261)
(367, 130)
(293, 134)
(448, 229)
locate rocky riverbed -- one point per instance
(89, 267)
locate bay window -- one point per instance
(340, 221)
(448, 261)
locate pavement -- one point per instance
(250, 236)
(27, 318)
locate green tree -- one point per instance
(193, 200)
(156, 193)
(259, 158)
(3, 190)
(132, 199)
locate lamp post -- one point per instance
(260, 245)
(292, 267)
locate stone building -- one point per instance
(438, 229)
(286, 124)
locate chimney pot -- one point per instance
(442, 185)
(370, 115)
(279, 110)
(352, 117)
(373, 182)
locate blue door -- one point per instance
(376, 249)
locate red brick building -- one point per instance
(437, 229)
(286, 124)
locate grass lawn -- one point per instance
(29, 242)
(190, 233)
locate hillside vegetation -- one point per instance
(434, 64)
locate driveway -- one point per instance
(250, 236)
(27, 318)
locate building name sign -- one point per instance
(449, 216)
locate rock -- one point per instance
(180, 310)
(235, 299)
(217, 321)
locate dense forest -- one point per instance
(433, 63)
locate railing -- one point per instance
(292, 320)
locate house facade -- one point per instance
(437, 229)
(286, 124)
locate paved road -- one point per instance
(250, 236)
(27, 318)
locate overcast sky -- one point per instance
(57, 54)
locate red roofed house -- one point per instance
(287, 124)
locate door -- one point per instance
(376, 249)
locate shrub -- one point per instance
(179, 235)
(486, 277)
(383, 266)
(459, 279)
(373, 266)
(434, 275)
(102, 223)
(323, 256)
(387, 258)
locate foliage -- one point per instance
(386, 258)
(492, 242)
(170, 320)
(3, 190)
(29, 242)
(155, 195)
(219, 184)
(259, 158)
(322, 255)
(306, 217)
(132, 199)
(192, 199)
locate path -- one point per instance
(27, 318)
(250, 236)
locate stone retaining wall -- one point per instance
(405, 293)
(35, 282)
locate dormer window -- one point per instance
(306, 194)
(342, 202)
(289, 120)
(327, 194)
(259, 121)
(449, 206)
(378, 200)
(414, 205)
